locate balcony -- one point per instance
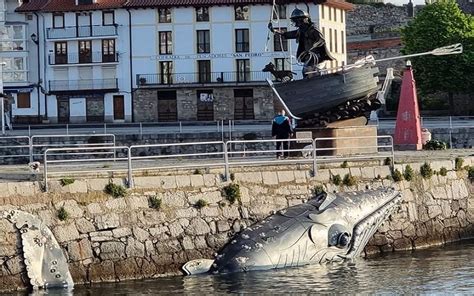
(76, 58)
(93, 85)
(81, 32)
(196, 79)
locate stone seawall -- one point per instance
(114, 239)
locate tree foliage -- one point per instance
(440, 24)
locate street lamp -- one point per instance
(2, 104)
(34, 38)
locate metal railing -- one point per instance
(83, 84)
(213, 154)
(202, 78)
(15, 147)
(77, 58)
(106, 156)
(40, 143)
(81, 31)
(30, 147)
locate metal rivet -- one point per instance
(52, 270)
(58, 276)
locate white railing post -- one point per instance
(226, 162)
(141, 129)
(130, 172)
(105, 128)
(314, 158)
(29, 130)
(45, 171)
(67, 129)
(450, 133)
(230, 130)
(180, 127)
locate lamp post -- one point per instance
(2, 107)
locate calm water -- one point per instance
(448, 269)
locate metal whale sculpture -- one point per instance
(329, 227)
(46, 264)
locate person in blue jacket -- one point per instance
(281, 129)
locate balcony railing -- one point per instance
(83, 84)
(202, 78)
(76, 58)
(82, 31)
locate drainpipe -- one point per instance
(38, 67)
(46, 94)
(130, 61)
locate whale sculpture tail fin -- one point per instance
(197, 266)
(45, 262)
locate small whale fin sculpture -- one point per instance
(45, 262)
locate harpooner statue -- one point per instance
(312, 49)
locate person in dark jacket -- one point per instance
(281, 129)
(312, 50)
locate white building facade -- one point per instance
(135, 60)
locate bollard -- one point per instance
(130, 173)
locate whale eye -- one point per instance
(343, 240)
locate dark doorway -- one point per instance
(63, 110)
(119, 108)
(167, 106)
(205, 105)
(243, 104)
(95, 109)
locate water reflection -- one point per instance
(448, 269)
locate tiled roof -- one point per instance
(69, 5)
(32, 5)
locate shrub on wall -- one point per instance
(62, 214)
(409, 173)
(66, 181)
(470, 173)
(232, 192)
(458, 162)
(345, 164)
(349, 180)
(318, 189)
(201, 203)
(115, 190)
(397, 176)
(336, 180)
(426, 171)
(435, 145)
(443, 171)
(154, 202)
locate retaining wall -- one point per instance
(113, 239)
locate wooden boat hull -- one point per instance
(306, 97)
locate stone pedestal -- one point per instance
(341, 140)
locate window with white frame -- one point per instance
(166, 42)
(14, 69)
(164, 15)
(58, 20)
(13, 38)
(241, 12)
(242, 40)
(203, 41)
(202, 14)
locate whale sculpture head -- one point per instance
(329, 227)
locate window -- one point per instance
(281, 10)
(108, 50)
(164, 15)
(205, 105)
(58, 20)
(203, 41)
(166, 72)
(342, 15)
(281, 64)
(23, 100)
(241, 12)
(280, 43)
(243, 70)
(85, 54)
(202, 14)
(243, 108)
(108, 18)
(242, 40)
(335, 14)
(330, 40)
(12, 37)
(204, 69)
(330, 13)
(60, 53)
(84, 2)
(166, 43)
(15, 69)
(335, 40)
(322, 11)
(343, 43)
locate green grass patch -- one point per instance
(397, 176)
(232, 193)
(458, 162)
(336, 180)
(345, 164)
(115, 190)
(154, 202)
(66, 181)
(201, 203)
(443, 171)
(349, 180)
(426, 171)
(409, 173)
(62, 214)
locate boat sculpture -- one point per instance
(329, 227)
(341, 93)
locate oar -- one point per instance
(445, 50)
